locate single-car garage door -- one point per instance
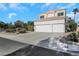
(43, 28)
(58, 28)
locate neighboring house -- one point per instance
(52, 21)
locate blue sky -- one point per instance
(10, 12)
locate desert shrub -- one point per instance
(22, 31)
(30, 27)
(72, 37)
(10, 30)
(78, 33)
(71, 26)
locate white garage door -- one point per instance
(58, 28)
(43, 28)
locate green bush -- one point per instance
(78, 33)
(71, 26)
(10, 30)
(73, 37)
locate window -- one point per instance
(60, 14)
(50, 15)
(41, 16)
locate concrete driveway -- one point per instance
(29, 38)
(10, 42)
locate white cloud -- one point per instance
(32, 4)
(16, 6)
(69, 5)
(10, 15)
(70, 15)
(46, 5)
(3, 7)
(13, 5)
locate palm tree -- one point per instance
(75, 11)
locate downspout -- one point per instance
(65, 20)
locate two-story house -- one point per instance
(51, 21)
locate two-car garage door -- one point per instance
(50, 28)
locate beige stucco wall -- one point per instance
(77, 28)
(53, 13)
(50, 22)
(45, 15)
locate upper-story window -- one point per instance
(61, 14)
(42, 16)
(50, 15)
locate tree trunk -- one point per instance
(74, 16)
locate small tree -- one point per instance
(30, 23)
(20, 26)
(10, 26)
(71, 25)
(25, 26)
(30, 26)
(19, 23)
(2, 25)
